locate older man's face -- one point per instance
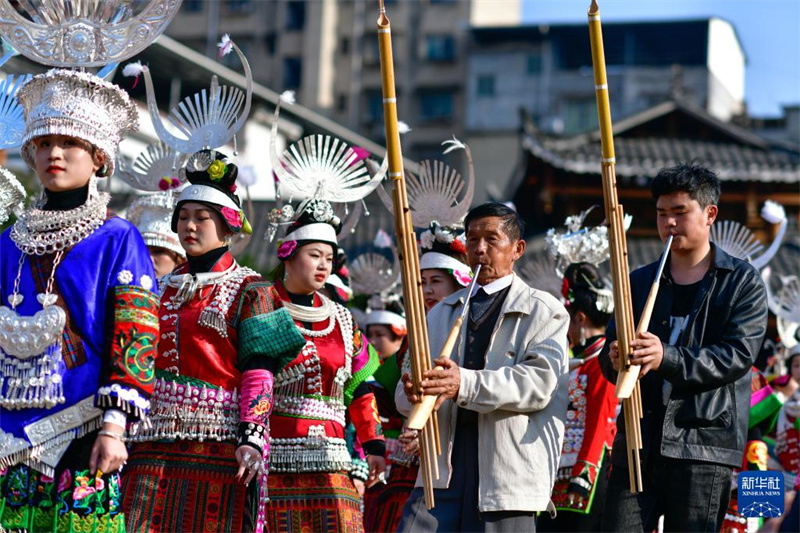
(489, 245)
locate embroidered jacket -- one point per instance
(589, 430)
(312, 393)
(103, 284)
(216, 356)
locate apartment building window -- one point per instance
(193, 6)
(436, 104)
(440, 48)
(535, 63)
(341, 103)
(292, 72)
(269, 43)
(372, 53)
(374, 105)
(295, 15)
(238, 7)
(344, 45)
(486, 85)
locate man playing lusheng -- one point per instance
(708, 323)
(502, 396)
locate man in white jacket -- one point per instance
(502, 396)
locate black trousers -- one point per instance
(457, 506)
(692, 496)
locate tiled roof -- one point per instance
(645, 156)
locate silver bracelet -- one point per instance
(119, 436)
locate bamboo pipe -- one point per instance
(419, 351)
(623, 307)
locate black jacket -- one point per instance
(707, 412)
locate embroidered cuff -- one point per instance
(255, 403)
(129, 401)
(364, 414)
(254, 435)
(375, 447)
(133, 342)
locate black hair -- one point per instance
(580, 279)
(701, 183)
(513, 224)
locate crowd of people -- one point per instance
(152, 383)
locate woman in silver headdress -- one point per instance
(78, 319)
(220, 344)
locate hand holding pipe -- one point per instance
(421, 411)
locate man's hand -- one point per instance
(613, 354)
(648, 352)
(377, 470)
(443, 381)
(108, 453)
(408, 388)
(409, 440)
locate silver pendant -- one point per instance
(15, 299)
(46, 299)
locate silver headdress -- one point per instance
(152, 216)
(538, 269)
(321, 166)
(12, 194)
(373, 272)
(208, 119)
(737, 240)
(785, 305)
(12, 121)
(86, 33)
(78, 104)
(154, 169)
(433, 195)
(579, 244)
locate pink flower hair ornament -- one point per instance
(286, 249)
(232, 217)
(462, 277)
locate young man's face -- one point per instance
(682, 217)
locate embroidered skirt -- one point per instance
(186, 486)
(321, 501)
(71, 501)
(383, 508)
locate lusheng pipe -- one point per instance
(418, 347)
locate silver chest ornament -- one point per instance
(30, 355)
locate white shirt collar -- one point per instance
(496, 285)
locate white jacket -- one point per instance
(521, 398)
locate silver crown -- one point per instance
(84, 33)
(78, 104)
(579, 244)
(152, 216)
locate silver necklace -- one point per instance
(40, 232)
(304, 313)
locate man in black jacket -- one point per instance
(707, 327)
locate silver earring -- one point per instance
(582, 340)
